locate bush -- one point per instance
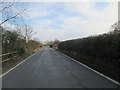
(99, 52)
(21, 51)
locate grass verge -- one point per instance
(19, 58)
(11, 63)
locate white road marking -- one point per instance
(92, 69)
(17, 65)
(71, 59)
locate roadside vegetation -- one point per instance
(15, 41)
(53, 44)
(100, 52)
(16, 37)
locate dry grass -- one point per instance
(11, 63)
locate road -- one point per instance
(49, 68)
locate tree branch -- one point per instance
(8, 6)
(12, 17)
(1, 2)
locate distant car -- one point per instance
(51, 46)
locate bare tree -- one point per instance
(28, 32)
(10, 4)
(9, 18)
(25, 32)
(8, 12)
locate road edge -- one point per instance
(17, 65)
(106, 77)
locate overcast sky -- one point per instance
(70, 20)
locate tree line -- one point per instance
(15, 40)
(15, 34)
(18, 38)
(101, 52)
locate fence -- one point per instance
(8, 56)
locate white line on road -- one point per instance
(17, 65)
(92, 69)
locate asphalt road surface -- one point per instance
(49, 68)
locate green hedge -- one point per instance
(101, 52)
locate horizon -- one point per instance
(68, 20)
